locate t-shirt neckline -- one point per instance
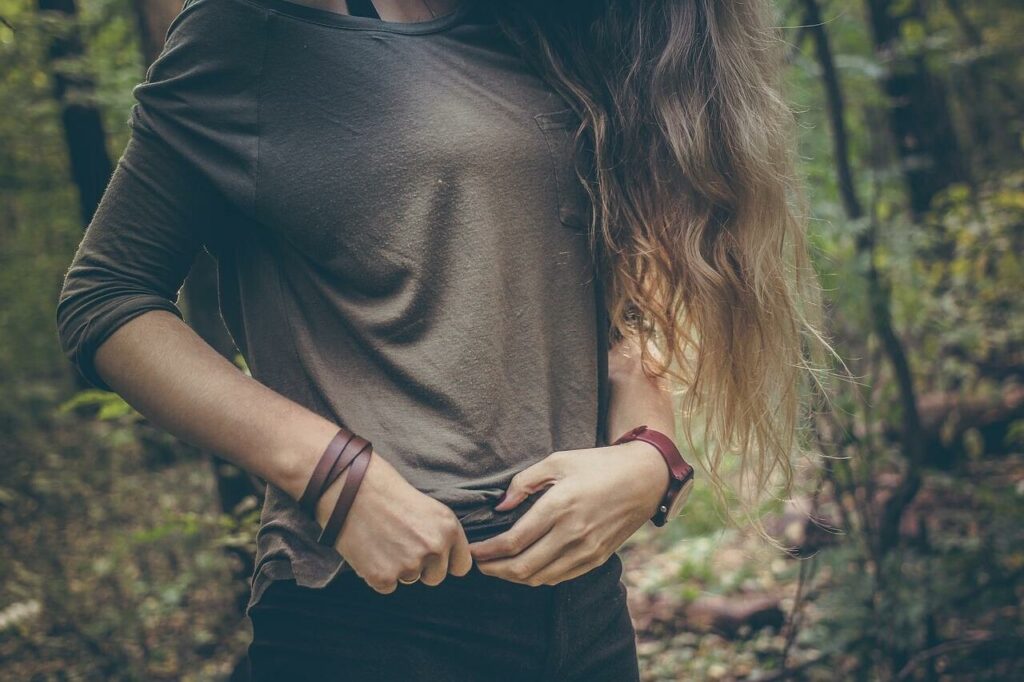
(322, 16)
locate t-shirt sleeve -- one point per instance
(186, 166)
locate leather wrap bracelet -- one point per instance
(345, 450)
(347, 456)
(348, 493)
(318, 480)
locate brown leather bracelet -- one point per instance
(318, 480)
(348, 493)
(347, 456)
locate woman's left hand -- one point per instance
(598, 497)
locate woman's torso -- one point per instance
(406, 253)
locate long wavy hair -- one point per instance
(686, 150)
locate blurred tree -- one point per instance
(84, 134)
(83, 129)
(919, 115)
(153, 18)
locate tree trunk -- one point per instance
(919, 116)
(879, 299)
(911, 432)
(84, 136)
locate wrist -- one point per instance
(325, 505)
(652, 475)
(681, 473)
(295, 461)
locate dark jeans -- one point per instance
(467, 629)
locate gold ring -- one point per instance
(410, 582)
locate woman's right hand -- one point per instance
(393, 531)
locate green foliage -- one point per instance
(945, 592)
(970, 325)
(109, 405)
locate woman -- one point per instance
(483, 235)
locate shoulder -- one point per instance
(210, 62)
(206, 17)
(205, 35)
(199, 97)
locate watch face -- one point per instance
(680, 500)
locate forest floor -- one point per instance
(711, 607)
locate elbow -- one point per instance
(626, 369)
(87, 314)
(624, 362)
(72, 328)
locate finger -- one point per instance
(376, 581)
(383, 587)
(408, 578)
(460, 561)
(521, 567)
(435, 568)
(529, 528)
(530, 480)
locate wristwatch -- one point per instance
(681, 482)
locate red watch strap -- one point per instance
(318, 480)
(676, 464)
(630, 435)
(348, 493)
(679, 469)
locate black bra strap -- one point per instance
(362, 8)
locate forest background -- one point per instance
(125, 554)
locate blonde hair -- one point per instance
(699, 215)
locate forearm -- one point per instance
(170, 375)
(635, 398)
(163, 369)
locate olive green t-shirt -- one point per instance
(400, 238)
